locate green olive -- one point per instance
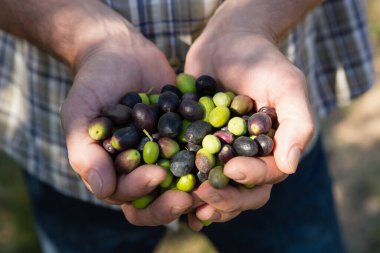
(221, 99)
(219, 116)
(206, 222)
(237, 126)
(165, 164)
(153, 98)
(207, 105)
(150, 152)
(186, 183)
(142, 202)
(144, 98)
(211, 143)
(186, 83)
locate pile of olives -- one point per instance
(189, 129)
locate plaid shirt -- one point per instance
(331, 46)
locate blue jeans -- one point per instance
(299, 218)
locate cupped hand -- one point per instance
(121, 61)
(250, 63)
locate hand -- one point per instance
(250, 63)
(106, 70)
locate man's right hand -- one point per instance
(109, 58)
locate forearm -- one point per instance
(271, 18)
(64, 28)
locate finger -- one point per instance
(158, 72)
(209, 213)
(194, 223)
(139, 182)
(233, 199)
(254, 171)
(196, 200)
(195, 65)
(166, 208)
(296, 126)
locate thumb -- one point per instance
(197, 63)
(295, 130)
(87, 158)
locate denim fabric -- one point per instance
(299, 218)
(67, 225)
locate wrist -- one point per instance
(67, 29)
(271, 19)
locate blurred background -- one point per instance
(352, 137)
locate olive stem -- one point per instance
(148, 135)
(150, 90)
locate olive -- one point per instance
(165, 164)
(193, 147)
(119, 114)
(100, 128)
(191, 96)
(202, 177)
(226, 153)
(169, 125)
(172, 88)
(245, 146)
(241, 105)
(145, 117)
(206, 86)
(221, 99)
(207, 105)
(108, 146)
(168, 147)
(206, 223)
(217, 178)
(219, 116)
(225, 136)
(181, 136)
(265, 144)
(182, 163)
(144, 201)
(259, 123)
(186, 182)
(190, 110)
(211, 144)
(151, 150)
(186, 83)
(197, 131)
(127, 161)
(271, 113)
(131, 99)
(126, 138)
(168, 101)
(144, 98)
(237, 126)
(204, 161)
(153, 99)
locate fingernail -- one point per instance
(177, 210)
(214, 216)
(153, 183)
(293, 158)
(238, 176)
(95, 182)
(215, 198)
